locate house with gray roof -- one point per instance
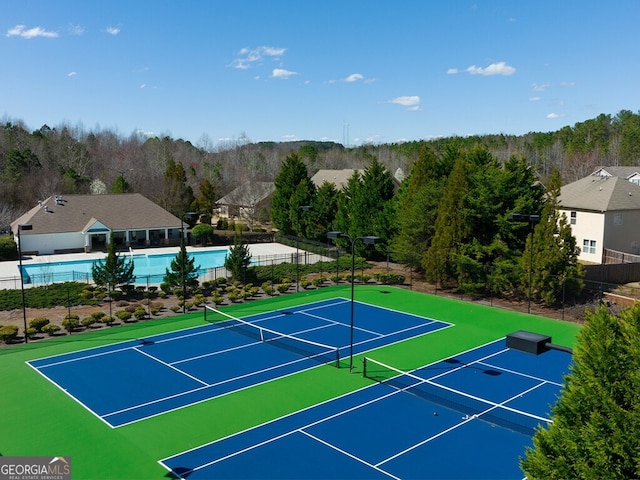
(604, 214)
(84, 223)
(245, 201)
(340, 178)
(631, 174)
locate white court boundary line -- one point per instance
(212, 328)
(311, 424)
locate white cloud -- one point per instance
(28, 33)
(452, 71)
(282, 73)
(75, 30)
(535, 99)
(500, 68)
(555, 115)
(112, 30)
(539, 87)
(567, 84)
(72, 74)
(412, 102)
(144, 85)
(249, 56)
(354, 77)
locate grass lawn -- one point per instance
(36, 418)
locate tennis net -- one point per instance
(470, 405)
(324, 354)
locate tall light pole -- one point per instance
(303, 208)
(189, 215)
(532, 219)
(24, 308)
(369, 240)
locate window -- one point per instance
(574, 216)
(617, 219)
(589, 246)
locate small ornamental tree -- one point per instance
(183, 269)
(202, 232)
(113, 270)
(238, 259)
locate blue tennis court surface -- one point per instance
(133, 380)
(477, 427)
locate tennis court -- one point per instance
(137, 379)
(468, 416)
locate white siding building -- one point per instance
(604, 213)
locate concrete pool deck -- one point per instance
(10, 272)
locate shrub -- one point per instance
(217, 299)
(70, 322)
(51, 329)
(107, 320)
(305, 282)
(88, 321)
(318, 281)
(283, 287)
(131, 308)
(87, 294)
(234, 296)
(8, 333)
(155, 308)
(99, 315)
(199, 299)
(177, 291)
(31, 332)
(38, 323)
(390, 278)
(175, 308)
(123, 315)
(140, 312)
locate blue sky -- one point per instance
(350, 71)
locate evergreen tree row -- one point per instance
(452, 218)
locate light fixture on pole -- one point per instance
(532, 219)
(369, 240)
(21, 228)
(304, 208)
(189, 215)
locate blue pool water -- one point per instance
(151, 267)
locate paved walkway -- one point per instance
(10, 272)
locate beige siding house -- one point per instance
(604, 213)
(245, 201)
(82, 223)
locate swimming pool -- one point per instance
(148, 268)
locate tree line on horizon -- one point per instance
(35, 164)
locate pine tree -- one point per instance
(113, 270)
(550, 257)
(293, 189)
(177, 195)
(451, 227)
(595, 432)
(416, 209)
(325, 205)
(365, 207)
(183, 270)
(239, 259)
